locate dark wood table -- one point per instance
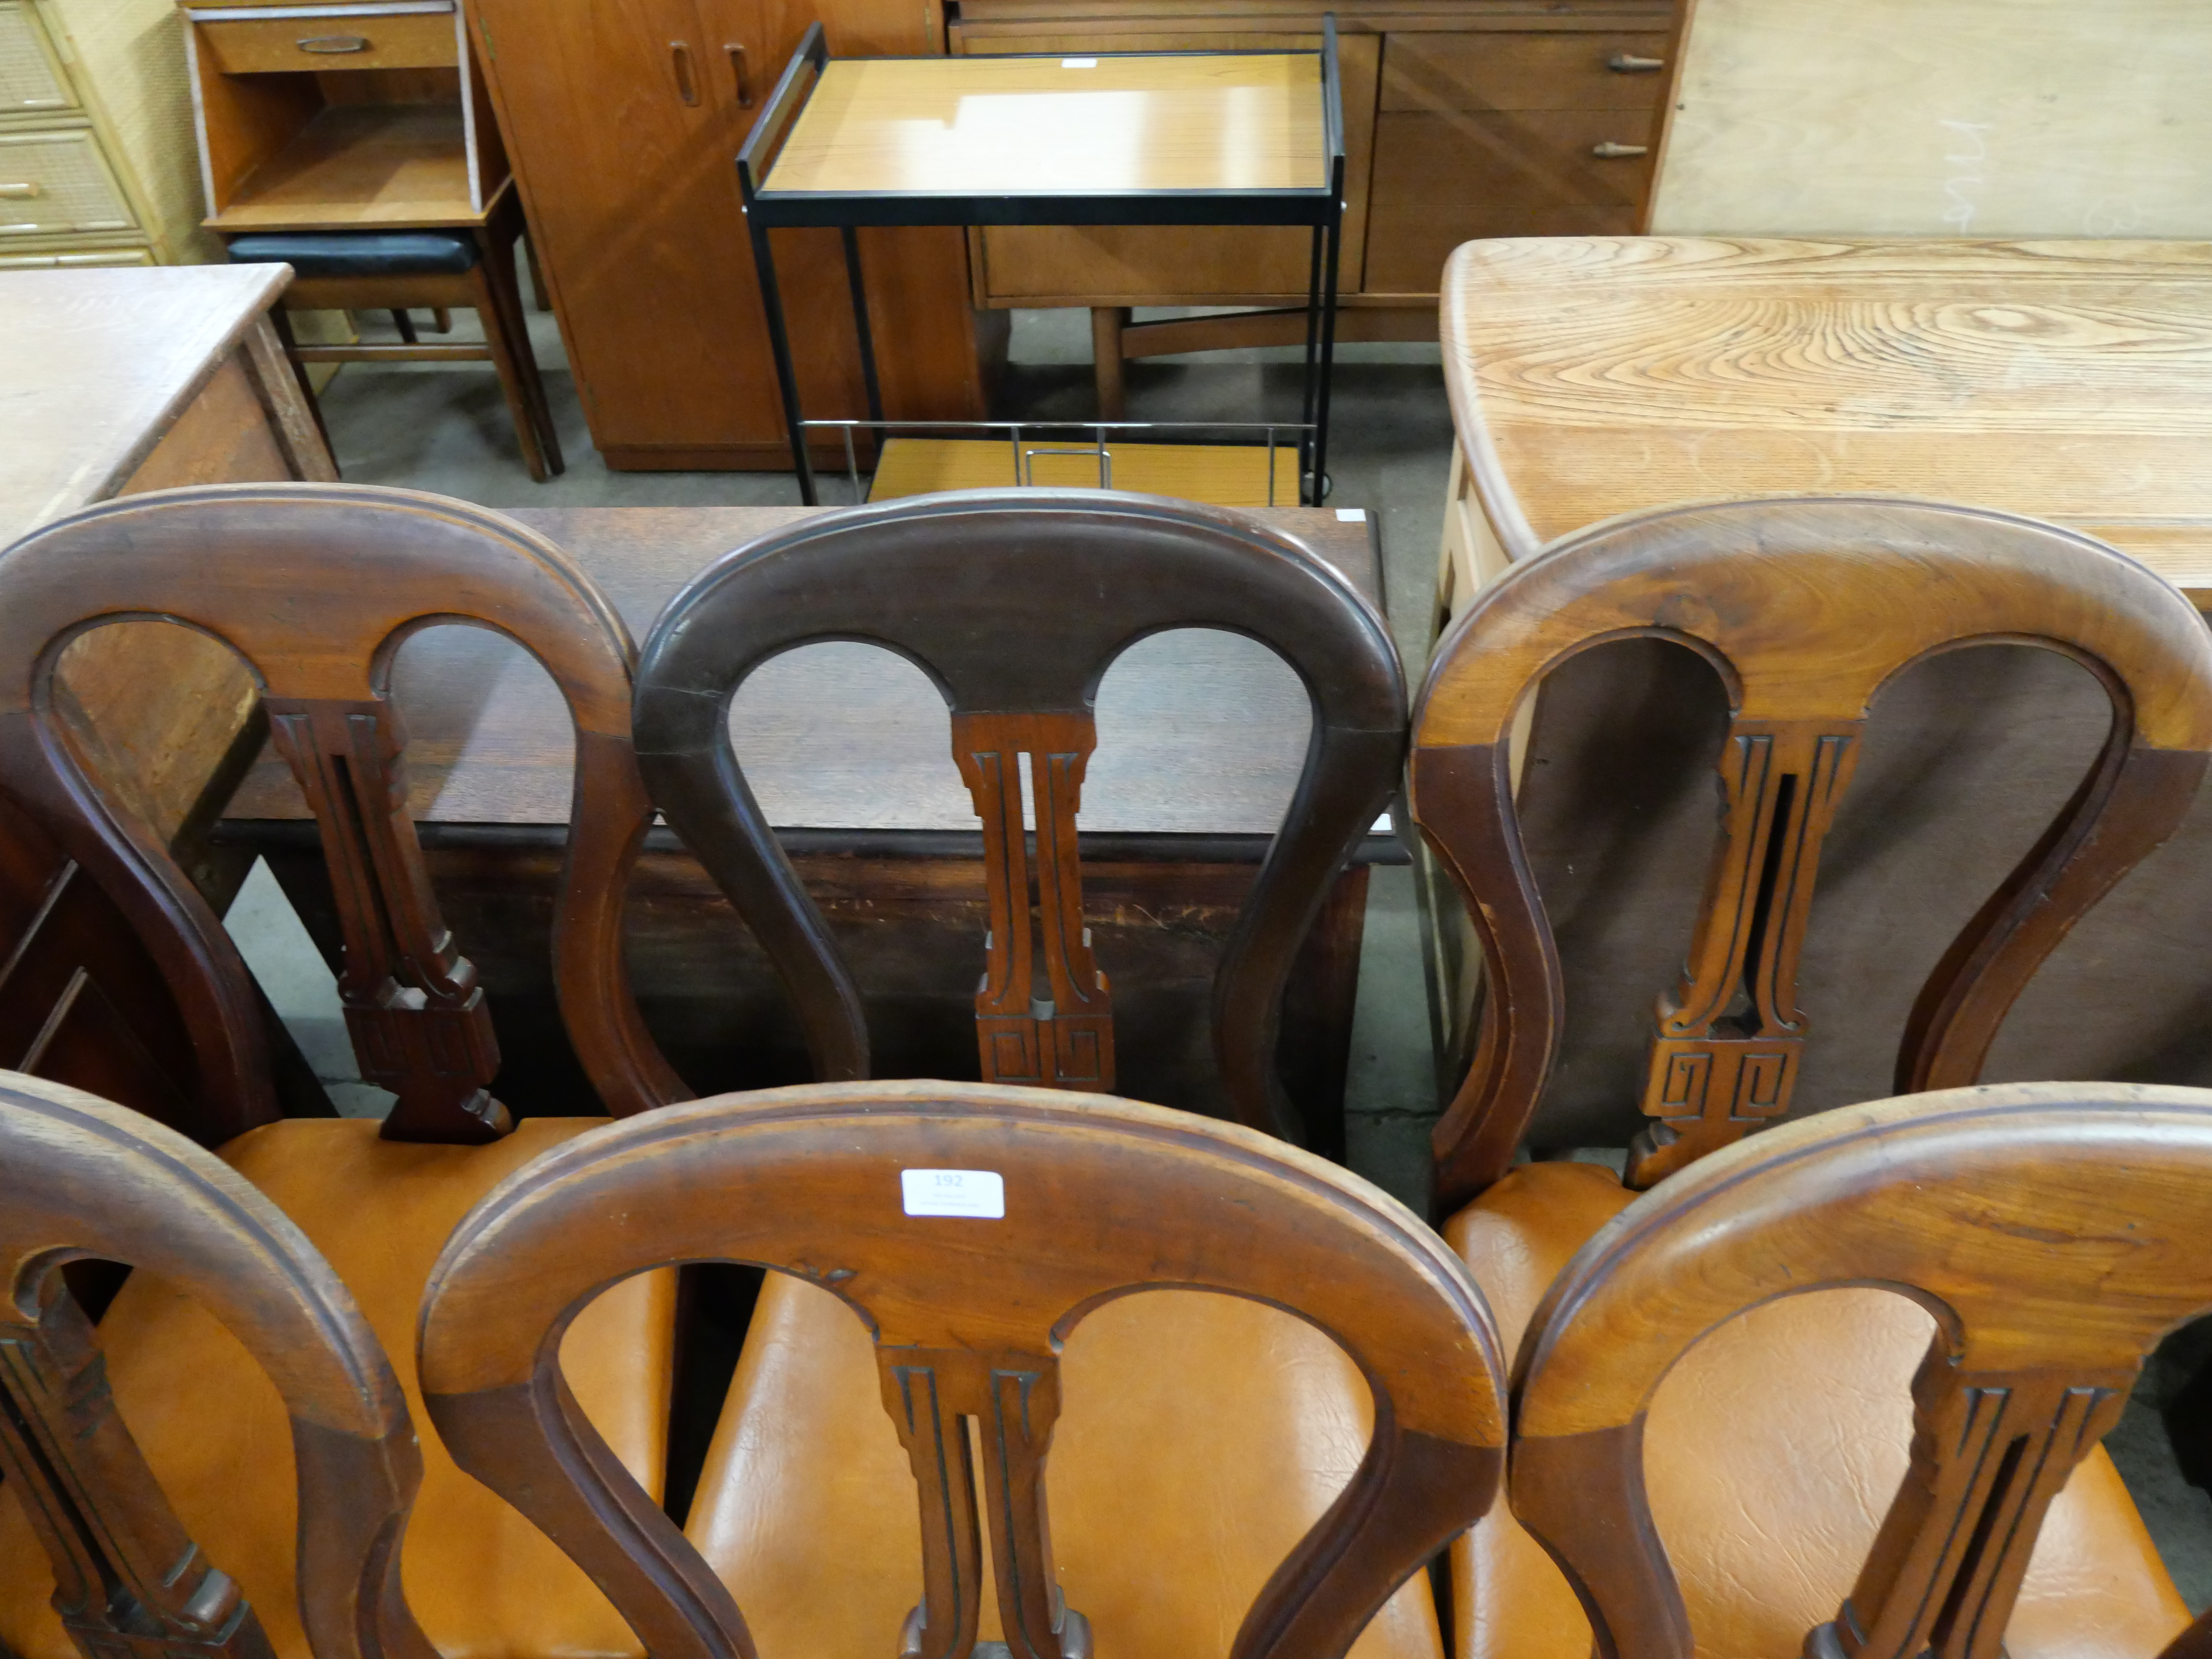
(1201, 738)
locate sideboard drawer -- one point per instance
(261, 45)
(31, 82)
(57, 181)
(1565, 69)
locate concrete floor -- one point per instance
(444, 427)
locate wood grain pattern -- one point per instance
(360, 165)
(988, 125)
(1982, 117)
(974, 589)
(78, 1175)
(1805, 610)
(1101, 1197)
(2056, 1231)
(2071, 381)
(238, 563)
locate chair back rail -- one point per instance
(1100, 1198)
(316, 586)
(1805, 608)
(2056, 1231)
(79, 1177)
(1015, 603)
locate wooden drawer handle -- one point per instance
(1627, 63)
(20, 192)
(687, 83)
(1609, 151)
(744, 79)
(332, 45)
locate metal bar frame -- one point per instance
(1321, 208)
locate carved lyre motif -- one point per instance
(413, 1008)
(1990, 1451)
(1059, 1034)
(932, 1394)
(1724, 1056)
(129, 1582)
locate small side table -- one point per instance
(1129, 138)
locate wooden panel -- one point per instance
(256, 46)
(640, 234)
(1224, 474)
(1931, 117)
(1117, 264)
(2070, 381)
(1442, 179)
(1564, 70)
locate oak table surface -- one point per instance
(97, 364)
(1060, 126)
(2068, 381)
(1200, 733)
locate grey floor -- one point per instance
(444, 427)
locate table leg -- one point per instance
(779, 341)
(1327, 348)
(1107, 323)
(1308, 468)
(861, 327)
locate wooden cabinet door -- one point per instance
(1118, 264)
(625, 119)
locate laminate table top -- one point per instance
(1059, 126)
(1200, 734)
(96, 364)
(2069, 380)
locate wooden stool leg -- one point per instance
(537, 276)
(518, 370)
(1107, 323)
(405, 325)
(441, 320)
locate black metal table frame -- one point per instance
(1321, 207)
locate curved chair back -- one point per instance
(1015, 603)
(1805, 609)
(316, 586)
(2055, 1230)
(79, 1177)
(1062, 1202)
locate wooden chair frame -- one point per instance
(1015, 603)
(81, 1178)
(316, 586)
(2054, 1230)
(1805, 608)
(1101, 1198)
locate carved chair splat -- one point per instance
(1101, 1197)
(79, 1177)
(2056, 1231)
(316, 586)
(1806, 609)
(1015, 604)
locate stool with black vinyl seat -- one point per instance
(401, 270)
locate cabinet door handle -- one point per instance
(687, 83)
(331, 44)
(19, 192)
(745, 79)
(1627, 63)
(1609, 151)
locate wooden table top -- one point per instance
(2071, 381)
(1200, 733)
(1061, 126)
(97, 363)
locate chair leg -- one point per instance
(537, 276)
(518, 371)
(441, 320)
(405, 325)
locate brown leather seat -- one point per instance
(1200, 1436)
(1766, 1529)
(482, 1581)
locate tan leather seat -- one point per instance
(1771, 1452)
(483, 1582)
(1200, 1435)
